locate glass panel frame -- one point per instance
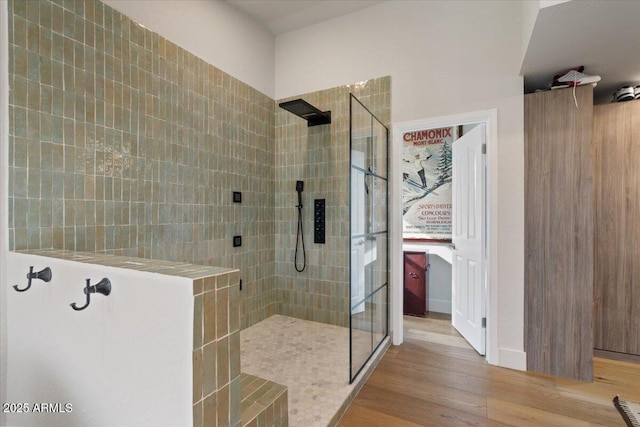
(368, 228)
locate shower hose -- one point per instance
(300, 238)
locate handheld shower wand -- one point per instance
(299, 188)
(300, 233)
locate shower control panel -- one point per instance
(318, 221)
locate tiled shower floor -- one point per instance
(310, 358)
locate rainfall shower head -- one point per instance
(311, 114)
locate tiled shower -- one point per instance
(123, 143)
(320, 157)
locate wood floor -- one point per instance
(435, 383)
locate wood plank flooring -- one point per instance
(432, 383)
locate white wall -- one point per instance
(439, 284)
(214, 31)
(123, 361)
(444, 58)
(549, 3)
(530, 10)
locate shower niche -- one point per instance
(369, 267)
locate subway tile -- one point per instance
(222, 312)
(32, 124)
(222, 356)
(223, 406)
(210, 381)
(33, 11)
(234, 355)
(209, 325)
(234, 308)
(33, 37)
(46, 238)
(210, 283)
(20, 63)
(33, 238)
(210, 411)
(19, 182)
(198, 415)
(20, 238)
(235, 392)
(197, 286)
(19, 8)
(197, 321)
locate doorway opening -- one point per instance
(470, 307)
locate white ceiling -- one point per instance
(280, 16)
(604, 36)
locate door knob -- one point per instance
(413, 275)
(452, 246)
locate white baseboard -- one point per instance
(439, 306)
(512, 359)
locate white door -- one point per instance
(468, 270)
(358, 230)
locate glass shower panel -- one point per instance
(380, 163)
(378, 266)
(371, 261)
(361, 336)
(360, 206)
(377, 188)
(368, 235)
(361, 136)
(379, 310)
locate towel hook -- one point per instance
(44, 275)
(102, 287)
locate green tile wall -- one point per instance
(319, 156)
(123, 143)
(216, 351)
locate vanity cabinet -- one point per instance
(416, 283)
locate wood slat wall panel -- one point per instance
(617, 238)
(559, 220)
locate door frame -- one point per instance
(490, 120)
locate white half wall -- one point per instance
(126, 360)
(444, 58)
(214, 31)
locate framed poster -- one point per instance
(426, 183)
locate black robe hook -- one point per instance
(102, 287)
(44, 275)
